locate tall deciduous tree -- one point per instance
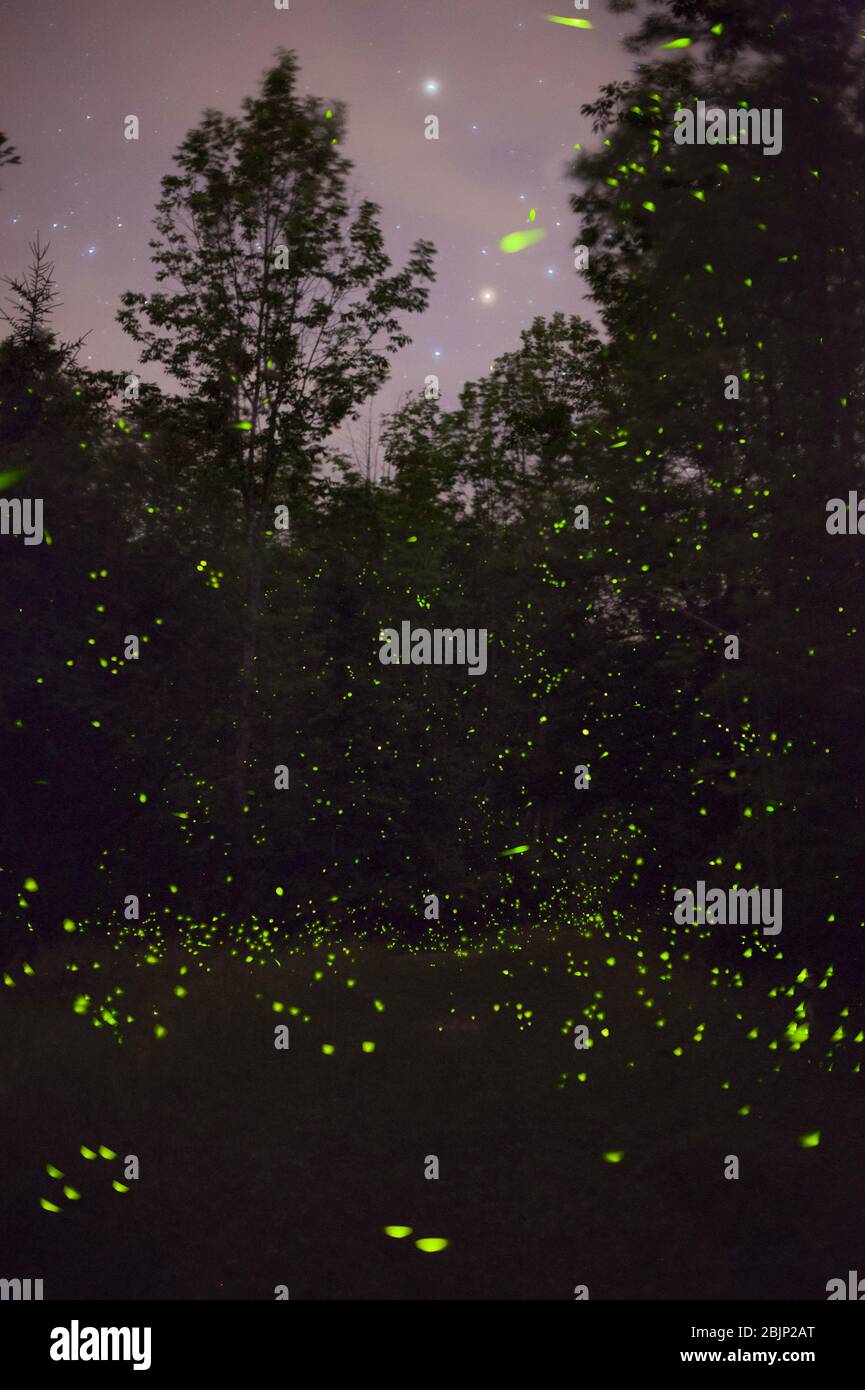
(279, 311)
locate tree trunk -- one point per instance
(249, 653)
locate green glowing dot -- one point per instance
(809, 1141)
(31, 885)
(68, 924)
(159, 1031)
(105, 1152)
(11, 476)
(518, 241)
(571, 23)
(431, 1244)
(678, 43)
(614, 1156)
(85, 1152)
(46, 1205)
(119, 1186)
(71, 1193)
(368, 1046)
(328, 1049)
(52, 1171)
(398, 1232)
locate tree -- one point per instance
(708, 262)
(283, 313)
(41, 380)
(8, 154)
(34, 300)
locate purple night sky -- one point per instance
(505, 83)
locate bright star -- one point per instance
(432, 86)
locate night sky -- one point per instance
(505, 83)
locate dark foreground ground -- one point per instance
(261, 1167)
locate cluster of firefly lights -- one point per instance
(257, 945)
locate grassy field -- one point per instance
(558, 1167)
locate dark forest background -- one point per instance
(259, 646)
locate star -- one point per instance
(431, 86)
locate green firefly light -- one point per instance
(572, 23)
(518, 241)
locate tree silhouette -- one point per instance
(282, 314)
(8, 154)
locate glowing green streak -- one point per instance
(518, 241)
(572, 23)
(11, 476)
